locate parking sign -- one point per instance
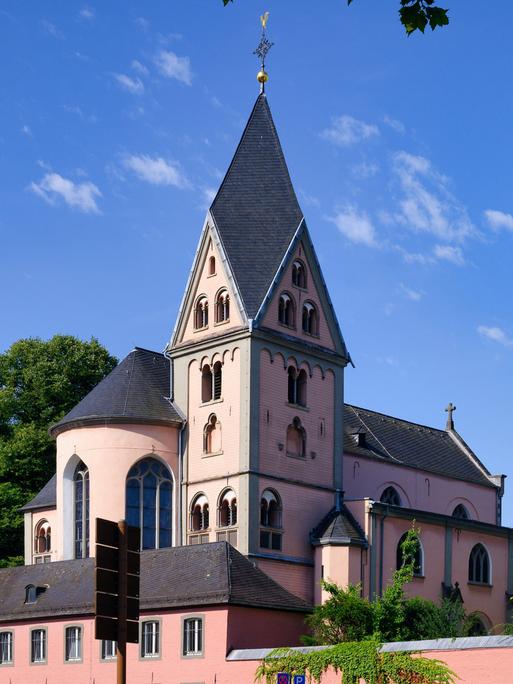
(299, 679)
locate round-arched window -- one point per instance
(460, 512)
(390, 496)
(227, 511)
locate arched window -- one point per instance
(201, 313)
(477, 625)
(212, 266)
(270, 509)
(460, 512)
(286, 310)
(212, 436)
(299, 274)
(297, 386)
(81, 510)
(296, 439)
(222, 307)
(199, 514)
(391, 496)
(227, 511)
(402, 559)
(43, 537)
(206, 383)
(479, 565)
(310, 319)
(218, 379)
(149, 491)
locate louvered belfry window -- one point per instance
(218, 380)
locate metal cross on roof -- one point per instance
(450, 410)
(261, 51)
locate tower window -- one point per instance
(296, 439)
(199, 514)
(479, 565)
(212, 266)
(206, 384)
(81, 509)
(43, 537)
(297, 386)
(201, 314)
(212, 436)
(390, 496)
(222, 307)
(227, 511)
(299, 274)
(218, 379)
(286, 310)
(310, 319)
(149, 502)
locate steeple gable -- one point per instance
(256, 211)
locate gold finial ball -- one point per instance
(262, 77)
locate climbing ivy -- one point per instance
(356, 661)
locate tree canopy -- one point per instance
(415, 15)
(40, 381)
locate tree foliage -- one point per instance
(415, 15)
(40, 381)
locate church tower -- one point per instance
(258, 361)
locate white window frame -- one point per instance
(108, 650)
(155, 637)
(5, 662)
(197, 634)
(44, 641)
(76, 645)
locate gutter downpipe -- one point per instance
(381, 548)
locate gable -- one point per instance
(300, 280)
(210, 284)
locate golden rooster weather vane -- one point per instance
(261, 52)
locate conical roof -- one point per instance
(136, 391)
(256, 211)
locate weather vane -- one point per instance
(261, 52)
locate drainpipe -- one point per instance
(381, 545)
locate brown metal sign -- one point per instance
(107, 532)
(107, 628)
(107, 606)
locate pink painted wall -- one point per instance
(270, 628)
(366, 477)
(299, 296)
(296, 578)
(109, 452)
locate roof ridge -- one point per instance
(402, 420)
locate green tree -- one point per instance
(40, 381)
(415, 15)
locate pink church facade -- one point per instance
(235, 454)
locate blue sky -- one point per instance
(119, 119)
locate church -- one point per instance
(250, 478)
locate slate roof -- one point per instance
(256, 211)
(185, 576)
(46, 498)
(339, 526)
(410, 444)
(137, 390)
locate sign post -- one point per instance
(117, 587)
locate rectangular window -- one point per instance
(6, 648)
(270, 540)
(150, 639)
(73, 650)
(108, 649)
(38, 646)
(193, 637)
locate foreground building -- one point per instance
(248, 475)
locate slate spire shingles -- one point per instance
(256, 211)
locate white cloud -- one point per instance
(51, 29)
(449, 253)
(409, 293)
(426, 204)
(365, 170)
(140, 68)
(172, 66)
(26, 130)
(87, 13)
(77, 195)
(142, 23)
(157, 171)
(414, 257)
(495, 334)
(346, 130)
(209, 194)
(499, 219)
(132, 85)
(356, 226)
(394, 124)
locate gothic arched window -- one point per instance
(310, 319)
(460, 512)
(227, 510)
(297, 386)
(222, 307)
(479, 565)
(286, 310)
(299, 274)
(43, 537)
(391, 496)
(149, 499)
(199, 514)
(201, 313)
(81, 510)
(296, 439)
(401, 557)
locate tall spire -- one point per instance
(261, 52)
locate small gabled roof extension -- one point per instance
(256, 211)
(136, 391)
(409, 444)
(45, 498)
(202, 575)
(339, 527)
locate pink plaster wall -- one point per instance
(299, 296)
(296, 578)
(366, 477)
(268, 628)
(209, 286)
(109, 452)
